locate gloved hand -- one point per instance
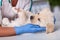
(29, 28)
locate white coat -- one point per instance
(7, 8)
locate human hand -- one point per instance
(29, 28)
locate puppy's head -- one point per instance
(38, 19)
(42, 18)
(35, 19)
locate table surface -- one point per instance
(37, 36)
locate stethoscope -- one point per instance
(0, 2)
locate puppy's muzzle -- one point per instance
(32, 17)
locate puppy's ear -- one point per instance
(14, 3)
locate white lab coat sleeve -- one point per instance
(24, 4)
(7, 9)
(27, 6)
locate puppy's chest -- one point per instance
(20, 22)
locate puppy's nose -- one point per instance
(32, 17)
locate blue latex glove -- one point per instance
(29, 28)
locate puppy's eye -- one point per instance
(38, 19)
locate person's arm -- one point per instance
(28, 28)
(7, 31)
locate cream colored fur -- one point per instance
(46, 19)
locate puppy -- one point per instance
(22, 19)
(45, 18)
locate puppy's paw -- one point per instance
(5, 21)
(47, 32)
(50, 28)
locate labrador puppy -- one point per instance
(44, 18)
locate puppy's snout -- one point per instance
(32, 17)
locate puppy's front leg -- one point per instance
(47, 31)
(49, 28)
